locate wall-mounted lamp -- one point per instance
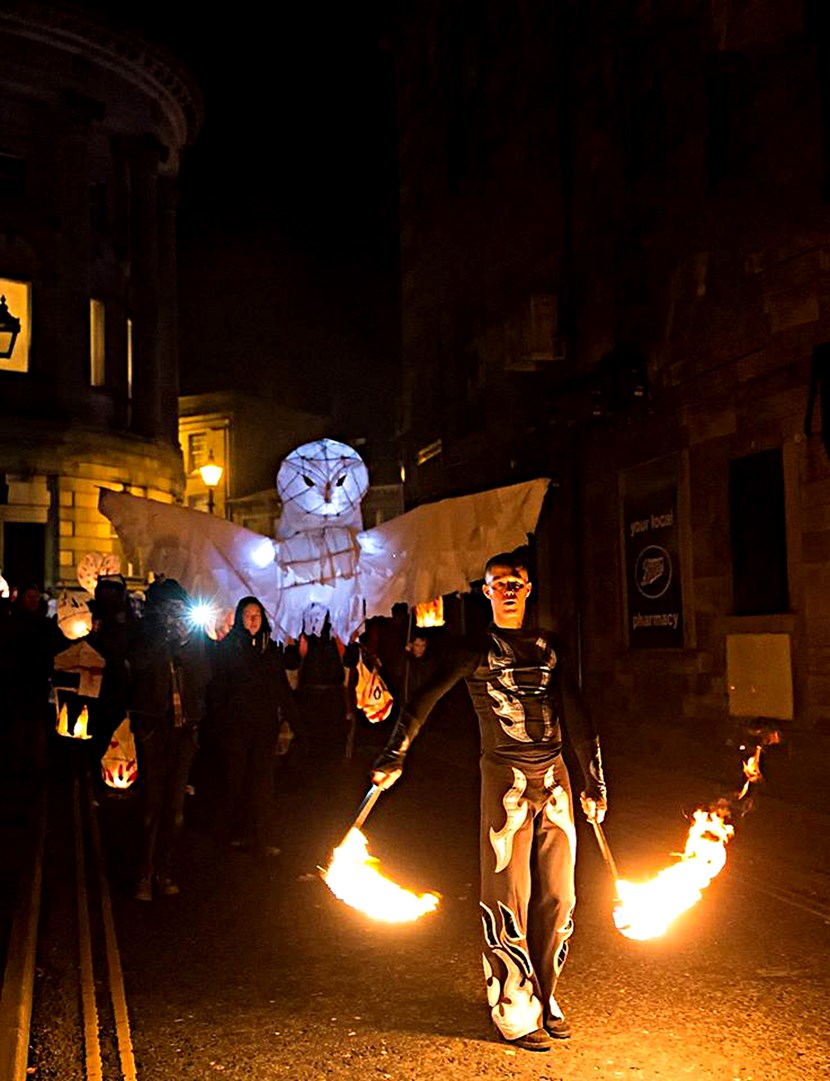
(9, 329)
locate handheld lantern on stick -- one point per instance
(354, 877)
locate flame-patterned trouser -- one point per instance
(528, 851)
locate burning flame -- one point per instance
(79, 729)
(646, 909)
(353, 876)
(430, 613)
(753, 773)
(122, 776)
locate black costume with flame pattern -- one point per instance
(528, 839)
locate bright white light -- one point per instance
(202, 613)
(263, 553)
(4, 587)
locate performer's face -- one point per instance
(252, 618)
(507, 589)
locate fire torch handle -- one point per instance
(369, 800)
(604, 848)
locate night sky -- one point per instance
(287, 213)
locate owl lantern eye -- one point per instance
(308, 481)
(340, 481)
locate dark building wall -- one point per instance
(481, 219)
(678, 214)
(92, 126)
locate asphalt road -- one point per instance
(255, 971)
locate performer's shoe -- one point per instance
(558, 1028)
(167, 887)
(538, 1040)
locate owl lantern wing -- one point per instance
(211, 557)
(442, 547)
(432, 550)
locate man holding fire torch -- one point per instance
(527, 834)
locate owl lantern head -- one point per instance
(321, 484)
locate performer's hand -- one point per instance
(385, 779)
(594, 807)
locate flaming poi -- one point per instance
(353, 875)
(645, 910)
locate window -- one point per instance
(19, 303)
(97, 347)
(757, 519)
(197, 450)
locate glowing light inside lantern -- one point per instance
(353, 876)
(119, 765)
(79, 729)
(645, 910)
(123, 776)
(262, 553)
(430, 613)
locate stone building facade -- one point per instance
(249, 437)
(616, 271)
(92, 125)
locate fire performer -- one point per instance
(527, 834)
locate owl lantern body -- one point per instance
(320, 486)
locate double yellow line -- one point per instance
(91, 1027)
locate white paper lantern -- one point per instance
(119, 766)
(95, 564)
(74, 616)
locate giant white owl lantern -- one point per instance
(321, 562)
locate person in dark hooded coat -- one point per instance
(169, 672)
(252, 697)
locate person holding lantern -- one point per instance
(527, 834)
(169, 671)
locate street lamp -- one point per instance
(211, 475)
(9, 329)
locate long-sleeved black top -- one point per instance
(520, 699)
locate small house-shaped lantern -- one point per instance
(78, 674)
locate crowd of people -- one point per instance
(222, 711)
(237, 714)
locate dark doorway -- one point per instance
(24, 552)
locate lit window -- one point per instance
(97, 355)
(129, 360)
(197, 450)
(18, 302)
